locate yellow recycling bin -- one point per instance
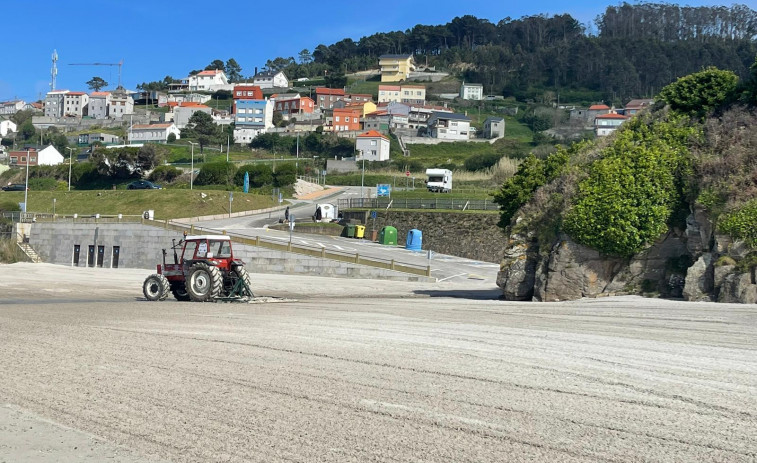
(360, 231)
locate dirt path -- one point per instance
(377, 371)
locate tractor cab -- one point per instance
(214, 249)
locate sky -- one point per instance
(158, 38)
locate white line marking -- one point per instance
(453, 276)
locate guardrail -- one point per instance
(312, 251)
(30, 217)
(416, 203)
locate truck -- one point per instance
(439, 180)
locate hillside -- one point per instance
(666, 206)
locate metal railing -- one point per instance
(416, 203)
(312, 251)
(30, 217)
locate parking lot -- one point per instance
(364, 370)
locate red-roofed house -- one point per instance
(209, 81)
(326, 97)
(373, 146)
(605, 124)
(634, 106)
(98, 105)
(297, 105)
(152, 133)
(75, 104)
(345, 119)
(588, 115)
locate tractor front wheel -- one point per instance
(204, 282)
(156, 287)
(179, 292)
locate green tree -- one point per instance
(96, 83)
(305, 56)
(285, 175)
(701, 92)
(27, 130)
(336, 79)
(22, 116)
(216, 64)
(202, 127)
(260, 175)
(233, 70)
(216, 173)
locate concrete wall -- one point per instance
(470, 235)
(140, 247)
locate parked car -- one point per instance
(143, 185)
(14, 187)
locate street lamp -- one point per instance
(362, 177)
(26, 186)
(70, 155)
(192, 169)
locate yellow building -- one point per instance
(396, 68)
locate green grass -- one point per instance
(168, 204)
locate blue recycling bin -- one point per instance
(414, 240)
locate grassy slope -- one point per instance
(166, 203)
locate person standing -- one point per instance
(286, 215)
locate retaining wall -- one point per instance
(139, 246)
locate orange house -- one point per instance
(346, 119)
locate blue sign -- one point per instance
(246, 182)
(373, 214)
(383, 190)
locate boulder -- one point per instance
(698, 232)
(719, 275)
(738, 287)
(700, 279)
(517, 270)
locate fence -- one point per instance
(29, 217)
(416, 203)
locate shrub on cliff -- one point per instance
(633, 189)
(701, 92)
(741, 223)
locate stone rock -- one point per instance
(517, 270)
(719, 275)
(540, 279)
(738, 287)
(722, 243)
(738, 249)
(700, 279)
(575, 271)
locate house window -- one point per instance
(239, 93)
(336, 118)
(346, 119)
(373, 142)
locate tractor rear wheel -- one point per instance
(179, 292)
(204, 282)
(156, 287)
(242, 274)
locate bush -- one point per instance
(43, 184)
(171, 138)
(216, 173)
(481, 161)
(741, 223)
(285, 175)
(165, 174)
(260, 175)
(632, 190)
(701, 92)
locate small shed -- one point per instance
(325, 212)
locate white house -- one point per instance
(152, 133)
(54, 103)
(244, 135)
(605, 124)
(471, 91)
(12, 107)
(49, 157)
(209, 81)
(449, 126)
(7, 127)
(271, 79)
(75, 104)
(98, 105)
(121, 104)
(373, 146)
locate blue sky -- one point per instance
(158, 38)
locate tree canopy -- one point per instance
(96, 83)
(202, 127)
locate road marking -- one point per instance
(338, 247)
(453, 276)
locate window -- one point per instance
(239, 93)
(346, 119)
(373, 142)
(336, 119)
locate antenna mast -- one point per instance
(54, 70)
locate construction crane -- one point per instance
(119, 64)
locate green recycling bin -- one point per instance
(388, 235)
(360, 231)
(350, 231)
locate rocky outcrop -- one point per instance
(682, 263)
(518, 269)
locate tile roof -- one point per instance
(389, 88)
(99, 94)
(372, 134)
(611, 116)
(192, 104)
(328, 91)
(210, 72)
(390, 56)
(76, 93)
(597, 107)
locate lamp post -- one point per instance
(70, 155)
(26, 186)
(192, 169)
(362, 177)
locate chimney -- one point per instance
(256, 71)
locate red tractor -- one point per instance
(207, 271)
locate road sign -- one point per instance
(231, 196)
(407, 173)
(373, 214)
(281, 197)
(383, 190)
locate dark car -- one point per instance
(14, 187)
(143, 185)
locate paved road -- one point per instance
(376, 371)
(443, 267)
